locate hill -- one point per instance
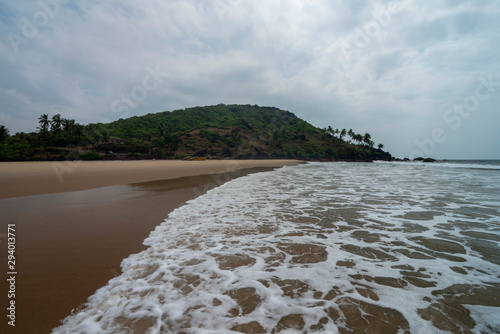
(221, 131)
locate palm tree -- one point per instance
(324, 134)
(343, 132)
(367, 139)
(351, 134)
(4, 133)
(44, 123)
(358, 138)
(380, 146)
(329, 130)
(56, 123)
(68, 127)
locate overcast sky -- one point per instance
(422, 77)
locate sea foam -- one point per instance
(322, 247)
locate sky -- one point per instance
(422, 77)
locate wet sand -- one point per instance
(68, 244)
(45, 177)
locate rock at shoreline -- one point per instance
(424, 159)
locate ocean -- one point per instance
(384, 247)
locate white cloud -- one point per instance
(417, 63)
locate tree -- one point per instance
(358, 138)
(380, 146)
(68, 127)
(165, 129)
(92, 134)
(78, 128)
(324, 134)
(343, 132)
(4, 133)
(276, 135)
(44, 123)
(172, 143)
(55, 124)
(105, 133)
(350, 133)
(367, 139)
(330, 131)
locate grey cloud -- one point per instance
(425, 59)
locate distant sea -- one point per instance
(384, 247)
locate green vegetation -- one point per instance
(221, 131)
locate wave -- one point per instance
(468, 164)
(320, 247)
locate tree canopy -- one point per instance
(221, 131)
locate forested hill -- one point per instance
(221, 131)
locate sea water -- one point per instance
(318, 248)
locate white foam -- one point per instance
(487, 318)
(180, 281)
(467, 164)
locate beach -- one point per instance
(76, 221)
(35, 178)
(328, 247)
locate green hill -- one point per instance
(221, 131)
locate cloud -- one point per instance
(408, 67)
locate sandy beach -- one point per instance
(76, 221)
(35, 178)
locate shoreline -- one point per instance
(69, 244)
(44, 177)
